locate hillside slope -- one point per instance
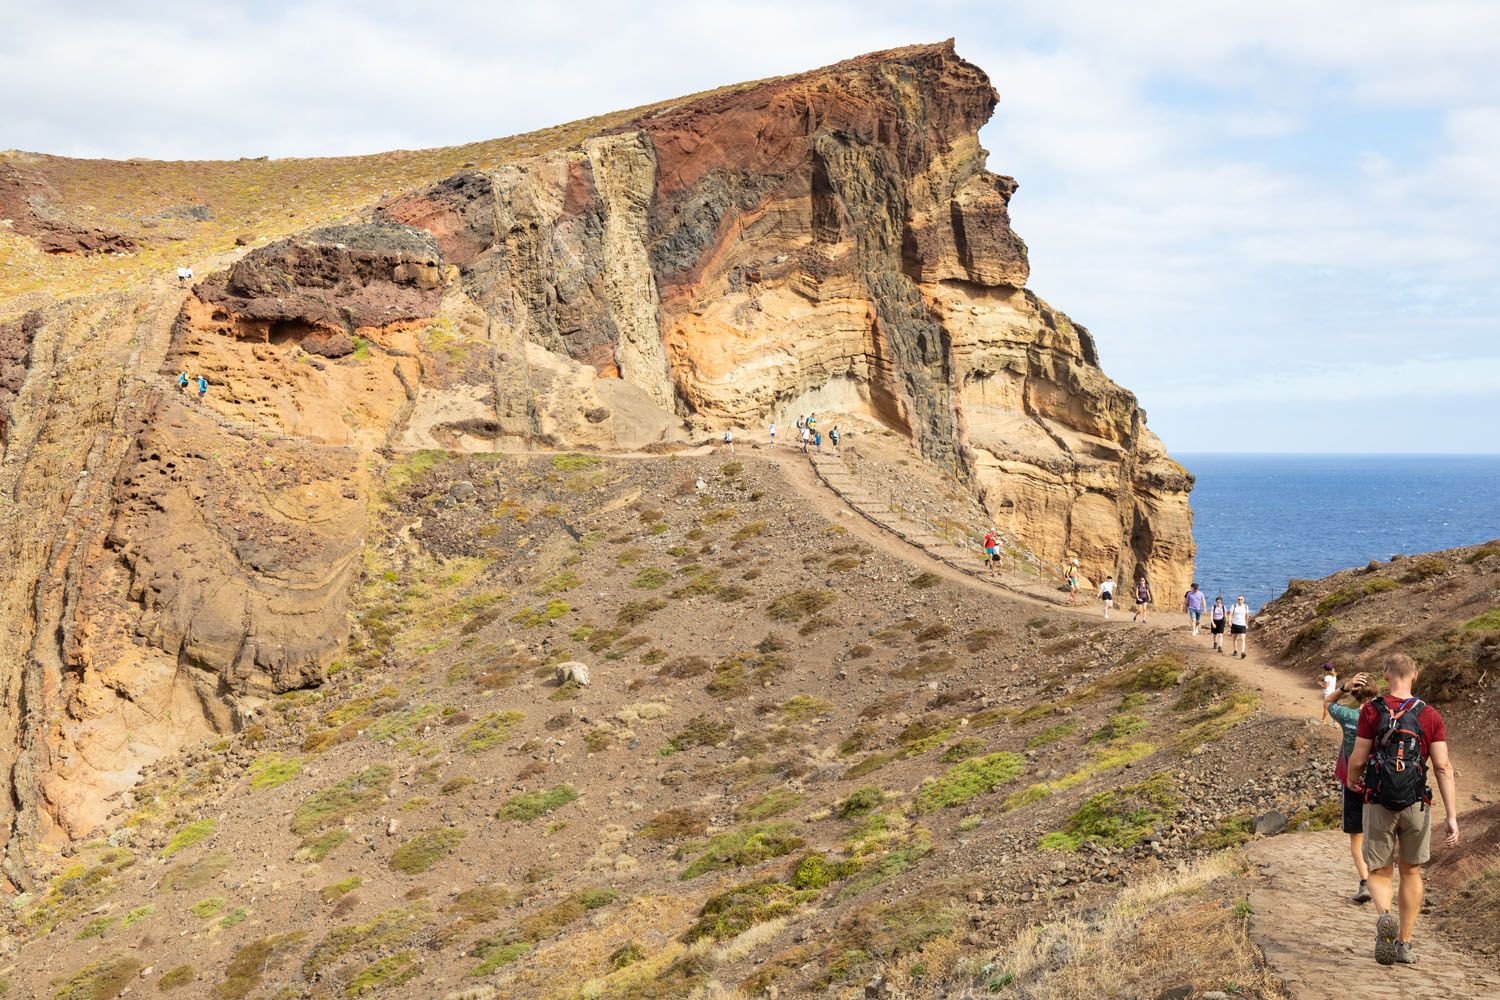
(830, 241)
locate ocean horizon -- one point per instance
(1264, 518)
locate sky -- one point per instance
(1280, 220)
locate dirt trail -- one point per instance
(1318, 941)
(1322, 944)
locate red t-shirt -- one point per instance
(1433, 730)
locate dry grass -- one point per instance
(1171, 926)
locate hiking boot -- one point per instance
(1405, 953)
(1386, 929)
(1363, 895)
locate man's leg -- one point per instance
(1410, 898)
(1379, 884)
(1357, 851)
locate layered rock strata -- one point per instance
(827, 242)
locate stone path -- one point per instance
(1323, 945)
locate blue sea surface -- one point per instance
(1261, 520)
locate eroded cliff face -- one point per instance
(828, 242)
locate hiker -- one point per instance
(1347, 717)
(184, 275)
(1142, 600)
(1218, 618)
(801, 423)
(818, 439)
(729, 440)
(1398, 734)
(773, 434)
(1072, 583)
(992, 550)
(182, 380)
(1194, 603)
(833, 435)
(1239, 624)
(202, 388)
(1330, 682)
(1107, 594)
(812, 421)
(806, 437)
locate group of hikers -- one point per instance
(808, 434)
(184, 380)
(1388, 741)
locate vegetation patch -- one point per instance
(674, 824)
(251, 962)
(632, 613)
(333, 893)
(860, 802)
(925, 580)
(804, 706)
(104, 979)
(533, 617)
(972, 778)
(531, 805)
(386, 930)
(799, 604)
(196, 874)
(1118, 727)
(1309, 635)
(969, 746)
(194, 833)
(273, 771)
(747, 845)
(1050, 735)
(1156, 674)
(205, 908)
(702, 731)
(734, 675)
(732, 912)
(870, 764)
(1424, 568)
(333, 805)
(384, 973)
(425, 850)
(176, 978)
(315, 849)
(1118, 819)
(651, 578)
(774, 803)
(491, 731)
(1204, 688)
(1232, 832)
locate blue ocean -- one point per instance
(1261, 520)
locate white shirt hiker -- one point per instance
(1239, 614)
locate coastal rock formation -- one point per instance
(826, 242)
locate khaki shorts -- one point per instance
(1411, 828)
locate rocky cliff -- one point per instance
(826, 242)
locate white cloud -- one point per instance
(1315, 185)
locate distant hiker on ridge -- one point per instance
(182, 380)
(833, 435)
(1194, 603)
(991, 550)
(806, 436)
(729, 441)
(1072, 583)
(1107, 594)
(1239, 624)
(1398, 735)
(184, 275)
(1218, 620)
(1142, 601)
(202, 388)
(1360, 688)
(773, 434)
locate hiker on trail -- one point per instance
(806, 437)
(1218, 619)
(773, 434)
(1194, 603)
(1107, 594)
(991, 550)
(1398, 734)
(184, 275)
(1142, 601)
(812, 421)
(833, 435)
(1330, 684)
(818, 439)
(1239, 624)
(1361, 690)
(202, 388)
(182, 380)
(1072, 583)
(729, 441)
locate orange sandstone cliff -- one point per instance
(825, 242)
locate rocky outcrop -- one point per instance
(28, 202)
(830, 241)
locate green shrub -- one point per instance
(315, 849)
(1483, 624)
(136, 915)
(632, 613)
(331, 893)
(860, 802)
(805, 706)
(331, 806)
(969, 746)
(747, 845)
(732, 912)
(205, 908)
(272, 771)
(925, 580)
(491, 731)
(425, 850)
(651, 578)
(799, 604)
(1118, 819)
(251, 962)
(574, 463)
(1117, 728)
(1425, 568)
(530, 805)
(104, 979)
(1050, 735)
(384, 973)
(194, 833)
(815, 871)
(774, 803)
(702, 731)
(1156, 674)
(178, 977)
(963, 782)
(1309, 635)
(1205, 687)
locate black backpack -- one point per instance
(1396, 774)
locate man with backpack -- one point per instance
(1397, 735)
